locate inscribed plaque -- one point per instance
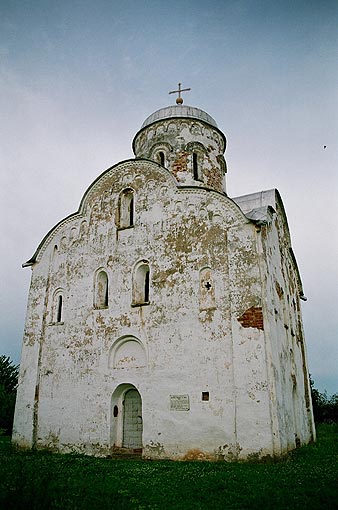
(179, 403)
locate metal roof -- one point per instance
(178, 110)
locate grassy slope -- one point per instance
(306, 479)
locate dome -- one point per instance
(187, 142)
(180, 111)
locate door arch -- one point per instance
(132, 420)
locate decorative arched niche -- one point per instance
(127, 352)
(207, 289)
(101, 296)
(126, 209)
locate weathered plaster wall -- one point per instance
(215, 344)
(252, 386)
(287, 355)
(192, 343)
(28, 383)
(178, 139)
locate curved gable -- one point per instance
(112, 180)
(222, 204)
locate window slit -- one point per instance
(106, 295)
(161, 155)
(131, 211)
(195, 166)
(59, 309)
(146, 287)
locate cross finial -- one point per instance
(179, 99)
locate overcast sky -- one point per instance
(78, 78)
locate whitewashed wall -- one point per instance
(229, 340)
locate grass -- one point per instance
(305, 479)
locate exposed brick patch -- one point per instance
(252, 318)
(214, 179)
(180, 163)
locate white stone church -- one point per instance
(163, 316)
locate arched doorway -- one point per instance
(126, 418)
(132, 420)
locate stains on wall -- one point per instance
(207, 289)
(154, 450)
(199, 328)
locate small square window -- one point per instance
(205, 396)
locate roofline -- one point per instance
(33, 259)
(273, 192)
(293, 257)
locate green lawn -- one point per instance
(306, 479)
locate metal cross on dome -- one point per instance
(179, 99)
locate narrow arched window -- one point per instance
(141, 284)
(126, 208)
(101, 290)
(161, 158)
(146, 286)
(195, 165)
(59, 309)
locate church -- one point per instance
(163, 316)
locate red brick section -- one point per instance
(252, 318)
(180, 163)
(214, 179)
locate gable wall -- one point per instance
(192, 341)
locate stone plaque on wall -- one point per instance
(179, 403)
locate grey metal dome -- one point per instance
(178, 110)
